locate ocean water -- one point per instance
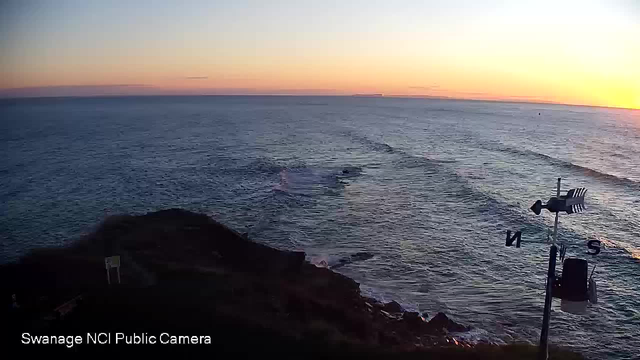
(428, 186)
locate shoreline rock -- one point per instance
(393, 307)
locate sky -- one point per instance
(574, 52)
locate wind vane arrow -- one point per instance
(571, 203)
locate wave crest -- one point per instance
(571, 166)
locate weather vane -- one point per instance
(571, 203)
(574, 287)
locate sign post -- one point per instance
(112, 262)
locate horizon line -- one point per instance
(360, 95)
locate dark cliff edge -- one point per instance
(183, 273)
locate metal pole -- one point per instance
(543, 353)
(555, 226)
(543, 350)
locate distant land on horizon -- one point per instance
(5, 95)
(368, 95)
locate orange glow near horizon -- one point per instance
(575, 54)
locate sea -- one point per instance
(428, 187)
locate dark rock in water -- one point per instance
(350, 171)
(441, 321)
(392, 307)
(425, 315)
(359, 256)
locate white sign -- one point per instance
(112, 262)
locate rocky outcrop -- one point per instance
(392, 307)
(185, 272)
(442, 322)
